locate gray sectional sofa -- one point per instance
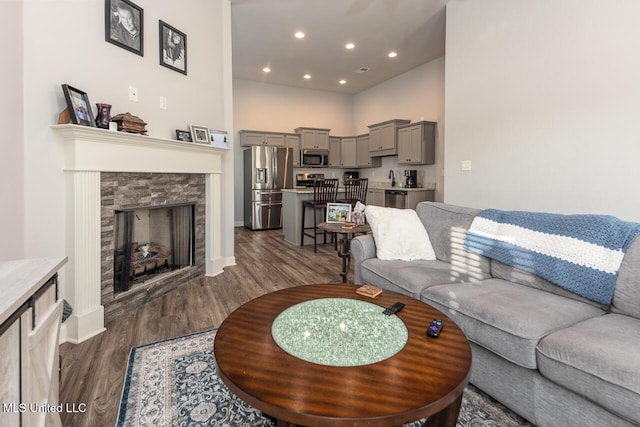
(553, 357)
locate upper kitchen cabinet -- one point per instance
(382, 137)
(313, 138)
(335, 157)
(348, 152)
(417, 143)
(363, 155)
(292, 141)
(249, 138)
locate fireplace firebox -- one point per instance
(150, 241)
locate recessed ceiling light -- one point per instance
(392, 54)
(349, 45)
(299, 35)
(343, 82)
(266, 69)
(307, 76)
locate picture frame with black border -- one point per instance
(173, 48)
(338, 213)
(200, 134)
(124, 25)
(79, 107)
(183, 135)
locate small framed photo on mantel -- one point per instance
(200, 134)
(183, 135)
(78, 107)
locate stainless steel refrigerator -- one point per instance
(267, 170)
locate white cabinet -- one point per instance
(416, 143)
(30, 315)
(382, 137)
(313, 138)
(250, 138)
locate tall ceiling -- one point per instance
(263, 36)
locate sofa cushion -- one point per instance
(399, 234)
(447, 226)
(626, 296)
(599, 359)
(411, 278)
(507, 318)
(513, 274)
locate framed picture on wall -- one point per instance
(173, 48)
(123, 25)
(78, 106)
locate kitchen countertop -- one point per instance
(373, 186)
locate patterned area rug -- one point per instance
(175, 382)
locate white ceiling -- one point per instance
(263, 35)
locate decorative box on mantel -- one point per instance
(90, 151)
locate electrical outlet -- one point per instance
(465, 165)
(163, 102)
(133, 93)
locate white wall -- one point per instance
(11, 113)
(277, 108)
(542, 97)
(64, 43)
(415, 95)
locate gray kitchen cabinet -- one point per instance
(382, 137)
(335, 156)
(375, 197)
(416, 143)
(363, 155)
(249, 138)
(348, 152)
(313, 138)
(293, 141)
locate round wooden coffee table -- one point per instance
(425, 378)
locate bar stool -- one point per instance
(355, 190)
(324, 191)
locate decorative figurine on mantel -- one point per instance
(130, 123)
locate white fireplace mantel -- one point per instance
(90, 151)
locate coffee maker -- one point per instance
(411, 176)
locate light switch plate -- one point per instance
(465, 165)
(133, 93)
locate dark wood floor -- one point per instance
(93, 371)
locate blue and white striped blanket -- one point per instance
(580, 253)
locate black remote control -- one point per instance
(434, 328)
(393, 309)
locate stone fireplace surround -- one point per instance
(131, 190)
(91, 156)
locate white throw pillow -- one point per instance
(399, 234)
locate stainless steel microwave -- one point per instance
(314, 158)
